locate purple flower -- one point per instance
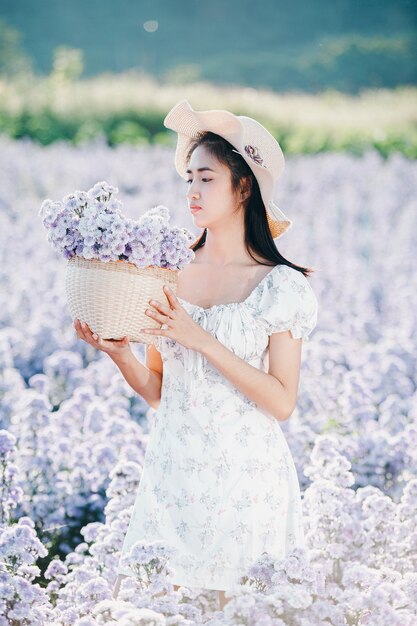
(91, 224)
(7, 442)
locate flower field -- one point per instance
(73, 434)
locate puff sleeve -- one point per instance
(288, 302)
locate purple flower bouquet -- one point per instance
(115, 264)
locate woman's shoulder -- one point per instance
(295, 280)
(287, 301)
(286, 280)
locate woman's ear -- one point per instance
(246, 188)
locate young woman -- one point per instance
(219, 482)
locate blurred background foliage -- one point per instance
(277, 44)
(337, 75)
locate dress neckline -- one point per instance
(217, 306)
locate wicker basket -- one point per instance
(112, 296)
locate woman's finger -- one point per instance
(94, 338)
(159, 317)
(156, 331)
(79, 329)
(171, 297)
(162, 308)
(87, 331)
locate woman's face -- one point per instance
(211, 189)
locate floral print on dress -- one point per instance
(219, 482)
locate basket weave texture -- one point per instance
(112, 296)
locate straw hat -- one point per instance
(251, 140)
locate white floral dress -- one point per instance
(219, 482)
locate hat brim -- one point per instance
(188, 124)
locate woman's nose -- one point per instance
(193, 194)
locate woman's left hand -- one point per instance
(181, 326)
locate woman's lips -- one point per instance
(195, 209)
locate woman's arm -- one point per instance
(275, 391)
(146, 380)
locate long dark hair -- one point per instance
(258, 238)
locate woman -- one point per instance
(219, 482)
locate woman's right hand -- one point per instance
(113, 347)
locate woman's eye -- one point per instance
(205, 180)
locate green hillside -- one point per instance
(275, 44)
